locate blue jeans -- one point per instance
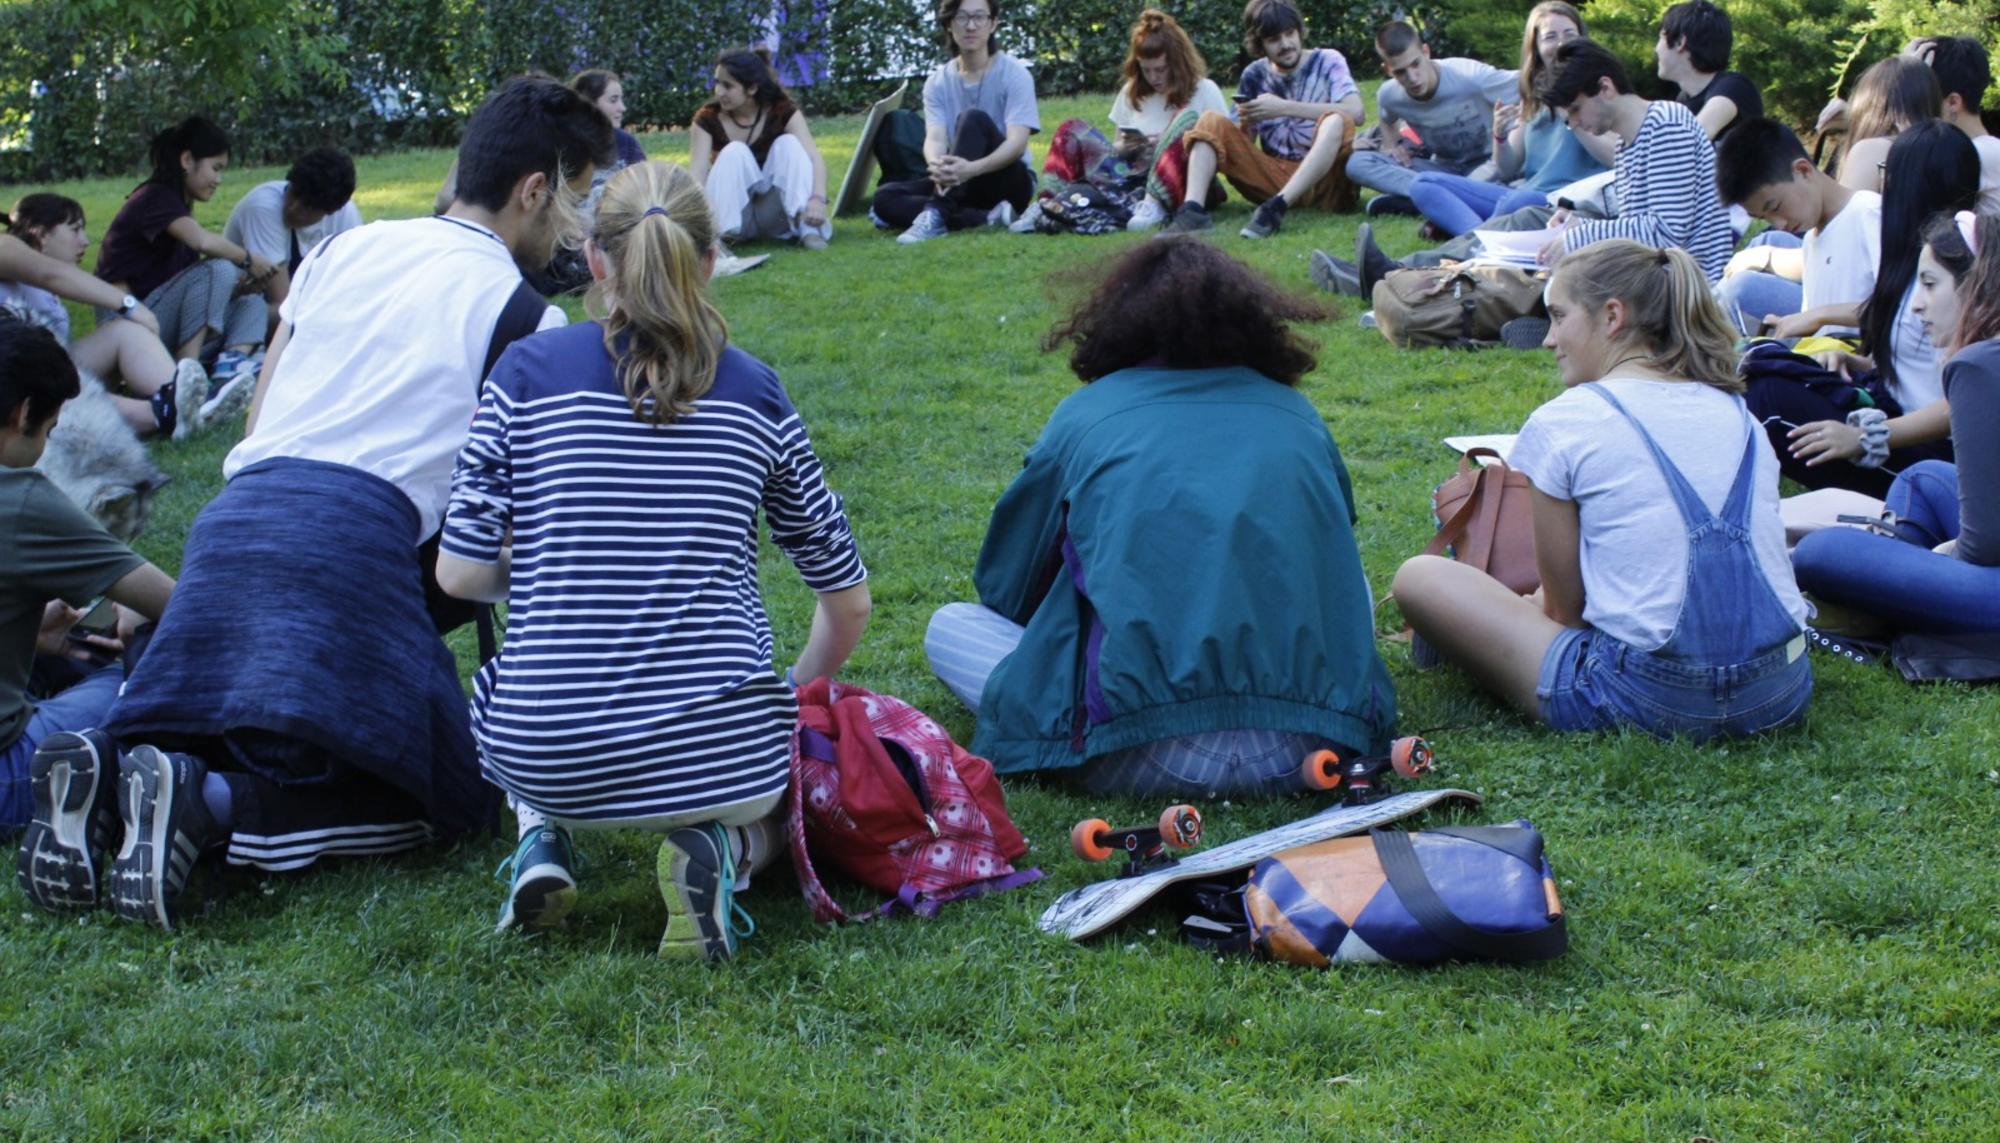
(1748, 298)
(1457, 205)
(81, 707)
(1379, 172)
(966, 641)
(1591, 681)
(1899, 578)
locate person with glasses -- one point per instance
(979, 109)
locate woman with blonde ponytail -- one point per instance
(609, 494)
(1667, 602)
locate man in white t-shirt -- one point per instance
(1819, 285)
(284, 219)
(1448, 102)
(1964, 72)
(297, 701)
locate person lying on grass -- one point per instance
(1940, 571)
(609, 495)
(1163, 610)
(1667, 603)
(39, 267)
(207, 291)
(56, 681)
(1163, 91)
(297, 702)
(753, 152)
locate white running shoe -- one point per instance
(1147, 215)
(1029, 217)
(929, 225)
(1002, 214)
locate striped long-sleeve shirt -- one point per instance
(636, 679)
(1665, 184)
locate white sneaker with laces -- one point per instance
(1026, 223)
(1147, 215)
(1002, 214)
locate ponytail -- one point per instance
(1671, 314)
(654, 227)
(194, 136)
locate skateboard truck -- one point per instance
(1366, 779)
(1145, 847)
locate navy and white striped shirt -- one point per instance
(636, 678)
(1665, 185)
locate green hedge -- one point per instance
(84, 83)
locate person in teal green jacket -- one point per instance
(1170, 596)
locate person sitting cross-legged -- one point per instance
(1666, 602)
(281, 221)
(1299, 106)
(1100, 645)
(979, 109)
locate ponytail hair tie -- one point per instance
(653, 210)
(1968, 229)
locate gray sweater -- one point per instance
(1972, 385)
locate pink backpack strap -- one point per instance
(824, 908)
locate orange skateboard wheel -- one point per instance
(1086, 839)
(1410, 756)
(1321, 770)
(1180, 826)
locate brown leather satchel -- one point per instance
(1485, 516)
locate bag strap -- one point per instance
(1413, 887)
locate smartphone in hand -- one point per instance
(99, 619)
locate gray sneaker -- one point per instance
(1191, 216)
(1268, 219)
(1333, 275)
(929, 225)
(1002, 214)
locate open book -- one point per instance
(1516, 247)
(1502, 443)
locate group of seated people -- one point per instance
(1159, 609)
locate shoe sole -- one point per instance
(187, 406)
(543, 896)
(230, 401)
(75, 794)
(146, 794)
(1327, 276)
(691, 882)
(1524, 333)
(1423, 656)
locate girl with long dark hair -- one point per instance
(754, 152)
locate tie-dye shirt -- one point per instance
(1321, 77)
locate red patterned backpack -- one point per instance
(885, 795)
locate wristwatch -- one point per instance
(126, 305)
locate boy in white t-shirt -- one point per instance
(297, 701)
(1819, 285)
(282, 220)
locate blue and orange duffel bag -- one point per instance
(1418, 897)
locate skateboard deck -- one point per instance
(1085, 912)
(854, 183)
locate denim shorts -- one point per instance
(1591, 681)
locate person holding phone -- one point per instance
(1163, 91)
(54, 559)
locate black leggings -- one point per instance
(965, 205)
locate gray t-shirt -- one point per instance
(1456, 122)
(1006, 92)
(1972, 381)
(36, 306)
(49, 549)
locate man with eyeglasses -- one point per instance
(979, 109)
(1448, 102)
(1299, 108)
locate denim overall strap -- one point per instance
(1729, 613)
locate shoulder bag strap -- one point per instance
(1413, 887)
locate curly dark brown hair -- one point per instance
(1180, 303)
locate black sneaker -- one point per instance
(1191, 216)
(1524, 333)
(166, 412)
(697, 873)
(1383, 204)
(1368, 257)
(75, 782)
(1333, 275)
(1268, 219)
(167, 825)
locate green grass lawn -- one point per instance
(1787, 937)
